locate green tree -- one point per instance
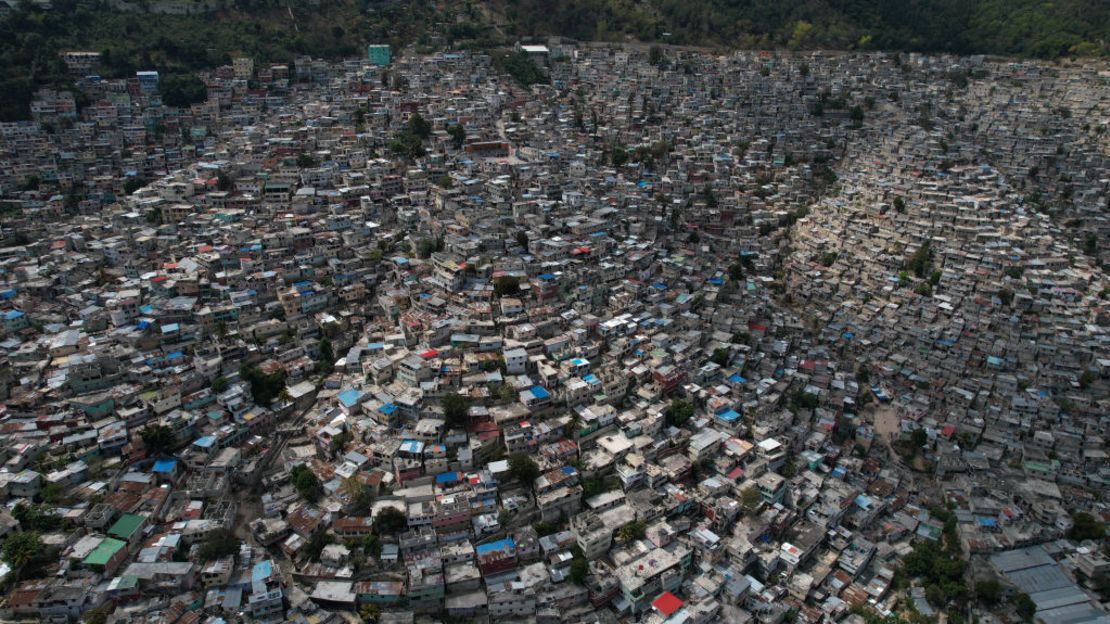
(98, 615)
(579, 570)
(369, 612)
(919, 437)
(506, 285)
(988, 592)
(720, 356)
(159, 439)
(632, 531)
(219, 384)
(1025, 607)
(389, 521)
(1086, 527)
(306, 483)
(680, 411)
(458, 135)
(455, 409)
(523, 468)
(22, 550)
(218, 544)
(750, 498)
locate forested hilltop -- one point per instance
(144, 36)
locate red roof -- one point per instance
(667, 603)
(429, 354)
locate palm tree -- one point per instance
(284, 397)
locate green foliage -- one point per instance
(264, 388)
(390, 521)
(182, 90)
(579, 570)
(159, 440)
(681, 411)
(523, 468)
(134, 183)
(1025, 607)
(325, 357)
(804, 400)
(99, 615)
(1086, 527)
(750, 498)
(455, 409)
(316, 544)
(520, 67)
(899, 204)
(988, 592)
(506, 285)
(522, 239)
(827, 258)
(720, 357)
(919, 438)
(632, 531)
(921, 261)
(23, 551)
(306, 483)
(36, 517)
(736, 271)
(219, 544)
(458, 135)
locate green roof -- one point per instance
(102, 554)
(126, 526)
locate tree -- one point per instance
(99, 615)
(219, 384)
(1086, 527)
(919, 437)
(988, 592)
(455, 409)
(523, 468)
(358, 494)
(579, 570)
(750, 498)
(680, 411)
(522, 239)
(899, 204)
(224, 182)
(1025, 606)
(219, 544)
(369, 612)
(306, 483)
(736, 271)
(264, 387)
(506, 285)
(632, 531)
(419, 127)
(325, 360)
(159, 439)
(22, 550)
(304, 161)
(458, 135)
(389, 521)
(720, 356)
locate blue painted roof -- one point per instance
(540, 393)
(163, 466)
(502, 544)
(205, 442)
(262, 570)
(349, 397)
(728, 415)
(11, 315)
(387, 409)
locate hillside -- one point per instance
(268, 30)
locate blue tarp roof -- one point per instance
(734, 378)
(448, 477)
(728, 415)
(502, 544)
(12, 315)
(540, 393)
(387, 409)
(163, 466)
(205, 442)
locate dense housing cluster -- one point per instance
(576, 333)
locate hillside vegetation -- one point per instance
(268, 30)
